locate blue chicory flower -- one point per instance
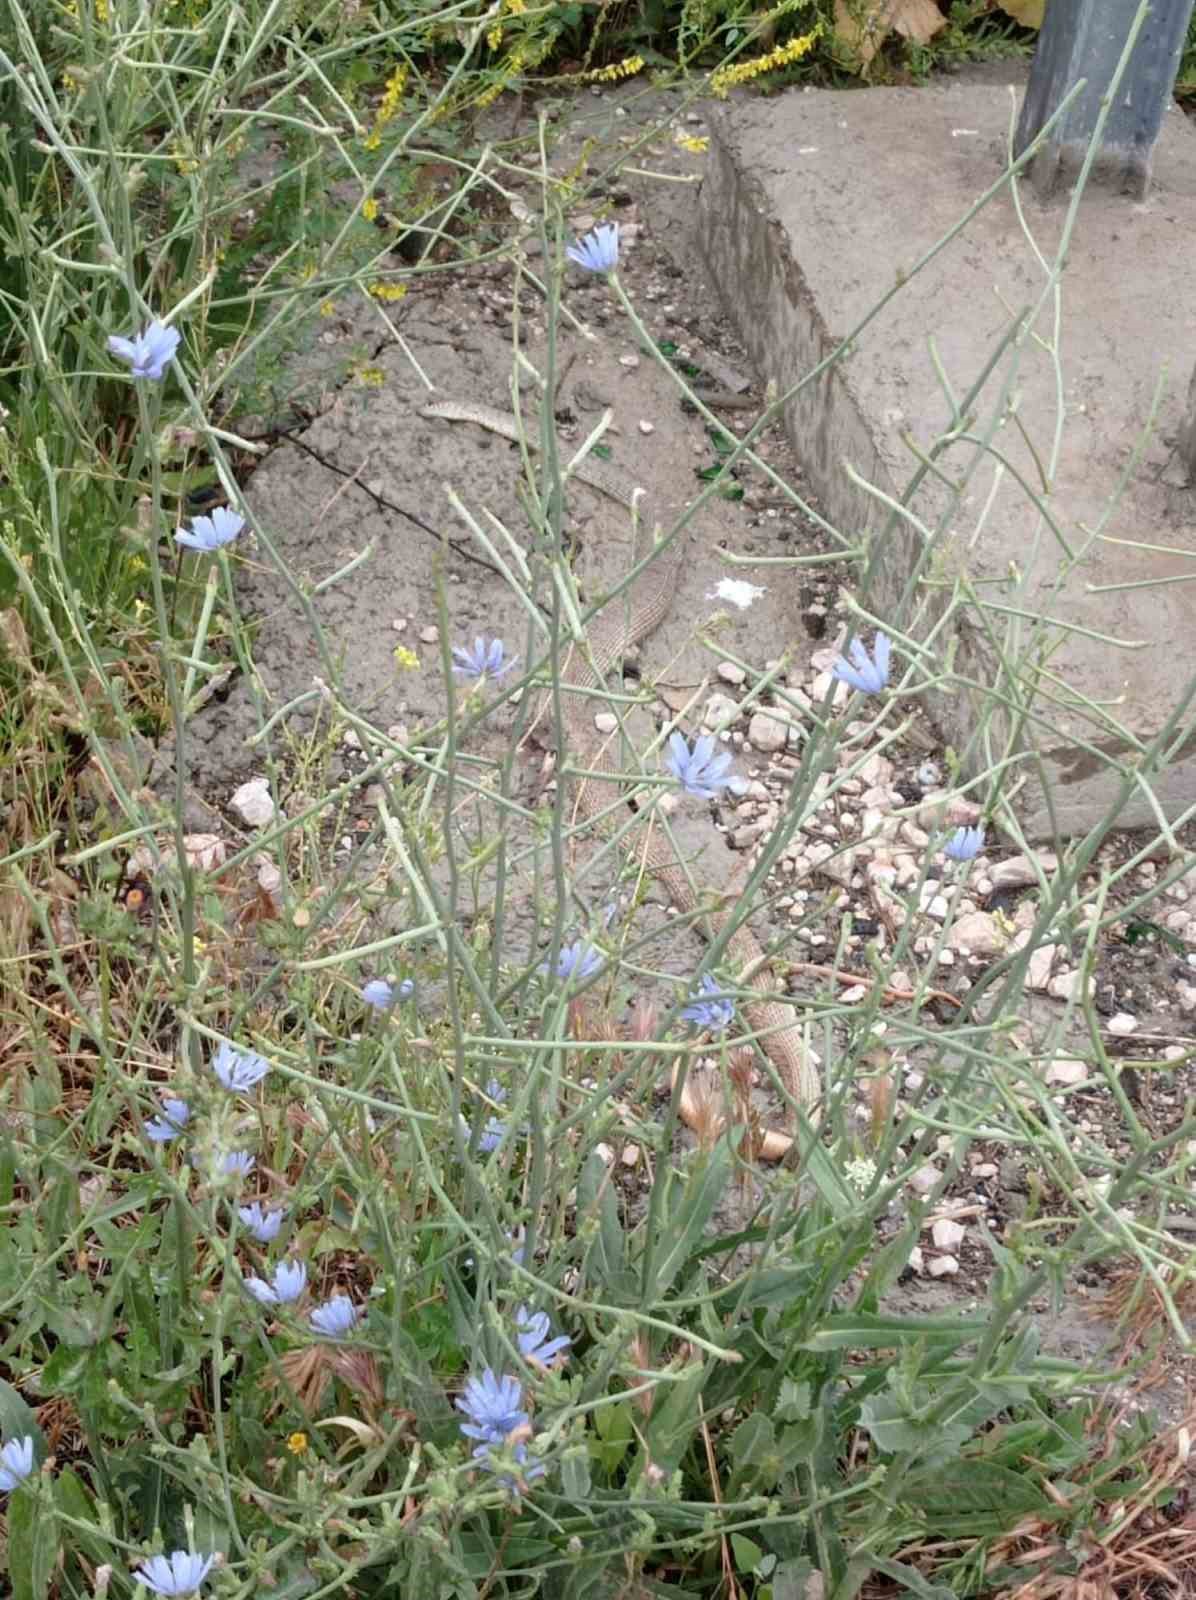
(867, 673)
(171, 1124)
(533, 1334)
(179, 1574)
(494, 1407)
(149, 353)
(239, 1070)
(238, 1163)
(210, 533)
(16, 1462)
(702, 771)
(335, 1317)
(576, 961)
(263, 1225)
(965, 844)
(714, 1015)
(599, 250)
(492, 1135)
(378, 993)
(484, 660)
(290, 1280)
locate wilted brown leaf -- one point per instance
(863, 27)
(1027, 12)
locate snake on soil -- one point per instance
(642, 609)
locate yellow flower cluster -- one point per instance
(392, 96)
(627, 68)
(514, 8)
(406, 660)
(388, 291)
(724, 78)
(695, 144)
(369, 209)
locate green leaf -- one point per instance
(753, 1441)
(858, 1330)
(747, 1555)
(686, 1226)
(32, 1543)
(16, 1420)
(74, 1501)
(973, 1498)
(596, 1197)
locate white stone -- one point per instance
(913, 836)
(1067, 1071)
(1185, 993)
(720, 713)
(605, 1154)
(631, 1154)
(943, 1267)
(1063, 985)
(606, 722)
(924, 1180)
(821, 687)
(1018, 872)
(915, 1261)
(767, 733)
(1038, 972)
(730, 673)
(1122, 1024)
(268, 875)
(205, 851)
(978, 933)
(947, 1234)
(429, 635)
(253, 804)
(647, 427)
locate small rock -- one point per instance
(1185, 993)
(1038, 972)
(767, 733)
(821, 687)
(252, 802)
(1122, 1024)
(720, 713)
(1018, 872)
(268, 875)
(730, 673)
(943, 1267)
(429, 635)
(647, 427)
(984, 1169)
(605, 1154)
(915, 1261)
(631, 1154)
(978, 933)
(924, 1180)
(1067, 1071)
(606, 722)
(947, 1234)
(204, 851)
(1064, 984)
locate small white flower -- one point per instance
(738, 591)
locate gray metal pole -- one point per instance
(1084, 39)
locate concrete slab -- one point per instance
(812, 205)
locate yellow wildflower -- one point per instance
(297, 1443)
(724, 78)
(494, 37)
(696, 144)
(406, 660)
(327, 308)
(369, 209)
(627, 68)
(388, 291)
(372, 377)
